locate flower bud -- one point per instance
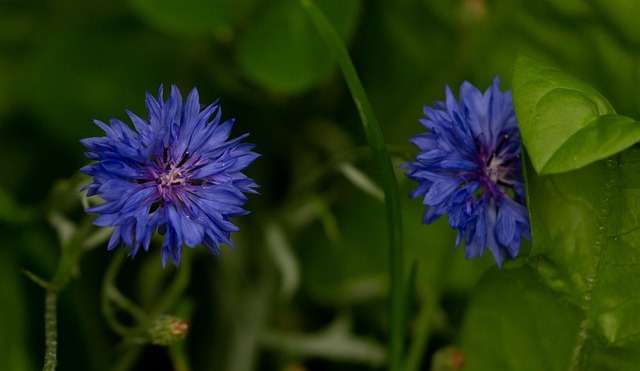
(166, 329)
(449, 358)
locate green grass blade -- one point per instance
(387, 175)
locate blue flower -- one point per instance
(469, 167)
(177, 173)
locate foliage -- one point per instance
(306, 285)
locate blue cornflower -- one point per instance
(177, 173)
(469, 167)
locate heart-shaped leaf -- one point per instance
(565, 123)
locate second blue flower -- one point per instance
(469, 167)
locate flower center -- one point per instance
(497, 166)
(168, 173)
(170, 177)
(494, 170)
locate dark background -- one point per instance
(312, 254)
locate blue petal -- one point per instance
(476, 111)
(216, 167)
(432, 213)
(192, 233)
(115, 239)
(170, 249)
(441, 190)
(498, 252)
(459, 164)
(505, 226)
(119, 168)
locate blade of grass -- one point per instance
(388, 180)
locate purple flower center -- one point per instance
(496, 169)
(170, 177)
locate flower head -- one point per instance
(177, 173)
(469, 167)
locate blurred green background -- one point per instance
(310, 260)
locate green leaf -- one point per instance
(586, 229)
(283, 52)
(616, 304)
(614, 359)
(514, 322)
(564, 227)
(601, 138)
(574, 304)
(565, 123)
(192, 17)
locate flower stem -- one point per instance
(71, 254)
(50, 330)
(111, 293)
(390, 186)
(423, 325)
(175, 291)
(179, 357)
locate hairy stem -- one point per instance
(71, 254)
(50, 330)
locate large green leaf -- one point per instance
(616, 302)
(283, 52)
(564, 225)
(565, 123)
(514, 322)
(579, 310)
(586, 228)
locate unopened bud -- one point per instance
(449, 358)
(167, 329)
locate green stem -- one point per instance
(178, 355)
(111, 293)
(71, 254)
(176, 290)
(390, 187)
(39, 281)
(50, 330)
(127, 359)
(423, 325)
(352, 155)
(425, 320)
